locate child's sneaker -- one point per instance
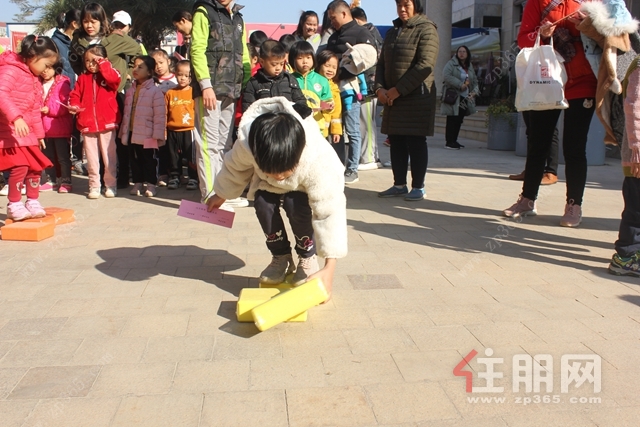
(277, 271)
(625, 266)
(35, 208)
(192, 184)
(56, 186)
(523, 207)
(94, 193)
(17, 211)
(174, 184)
(151, 191)
(110, 192)
(137, 188)
(306, 267)
(47, 186)
(65, 188)
(162, 180)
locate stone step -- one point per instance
(475, 134)
(476, 121)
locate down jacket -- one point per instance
(96, 95)
(453, 79)
(319, 174)
(22, 97)
(58, 122)
(150, 119)
(407, 62)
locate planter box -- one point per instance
(502, 132)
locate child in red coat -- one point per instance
(21, 131)
(58, 125)
(94, 101)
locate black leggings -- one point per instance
(541, 125)
(404, 147)
(296, 205)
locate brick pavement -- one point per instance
(127, 317)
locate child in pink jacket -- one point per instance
(58, 125)
(144, 125)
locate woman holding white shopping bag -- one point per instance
(557, 19)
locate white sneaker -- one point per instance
(5, 190)
(110, 192)
(368, 166)
(239, 202)
(94, 193)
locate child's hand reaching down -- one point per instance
(214, 202)
(325, 274)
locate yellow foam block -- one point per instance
(253, 297)
(281, 286)
(289, 304)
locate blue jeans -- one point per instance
(351, 120)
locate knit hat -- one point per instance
(122, 17)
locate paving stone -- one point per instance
(410, 402)
(353, 370)
(79, 327)
(277, 374)
(15, 412)
(31, 328)
(40, 353)
(55, 382)
(369, 341)
(266, 408)
(9, 377)
(196, 376)
(156, 325)
(174, 349)
(137, 379)
(157, 411)
(329, 406)
(72, 413)
(105, 351)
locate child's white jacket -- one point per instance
(320, 175)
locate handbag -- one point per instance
(450, 96)
(541, 78)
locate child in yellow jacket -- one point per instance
(327, 66)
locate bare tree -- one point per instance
(29, 9)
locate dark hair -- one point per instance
(467, 62)
(340, 4)
(323, 56)
(182, 63)
(326, 22)
(359, 13)
(180, 15)
(272, 49)
(34, 46)
(97, 49)
(287, 41)
(94, 11)
(417, 6)
(257, 38)
(302, 48)
(303, 19)
(117, 25)
(149, 62)
(58, 66)
(276, 141)
(65, 19)
(253, 51)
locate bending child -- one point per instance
(291, 162)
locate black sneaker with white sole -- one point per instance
(351, 177)
(453, 146)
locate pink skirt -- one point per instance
(29, 156)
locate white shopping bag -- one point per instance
(541, 78)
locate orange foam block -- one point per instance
(63, 216)
(28, 231)
(49, 218)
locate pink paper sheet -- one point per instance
(198, 211)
